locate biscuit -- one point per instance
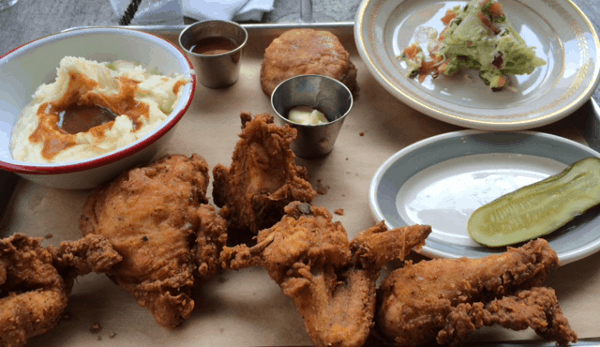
(305, 52)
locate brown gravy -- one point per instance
(80, 103)
(213, 45)
(79, 118)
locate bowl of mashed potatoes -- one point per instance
(79, 107)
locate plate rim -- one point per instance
(565, 257)
(434, 111)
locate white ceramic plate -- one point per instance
(440, 181)
(560, 32)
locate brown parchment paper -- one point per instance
(246, 308)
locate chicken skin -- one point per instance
(158, 219)
(35, 282)
(536, 308)
(331, 280)
(262, 178)
(444, 300)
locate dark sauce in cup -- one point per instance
(213, 45)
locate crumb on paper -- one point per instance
(48, 236)
(362, 133)
(321, 189)
(339, 211)
(112, 335)
(95, 328)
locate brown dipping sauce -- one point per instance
(213, 45)
(79, 118)
(84, 110)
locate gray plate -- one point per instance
(440, 181)
(560, 32)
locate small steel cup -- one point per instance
(326, 94)
(215, 70)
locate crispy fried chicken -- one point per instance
(446, 299)
(331, 280)
(158, 219)
(35, 282)
(262, 178)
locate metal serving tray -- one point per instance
(372, 119)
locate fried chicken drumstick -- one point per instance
(331, 280)
(35, 282)
(158, 219)
(262, 178)
(444, 300)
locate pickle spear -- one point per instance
(538, 209)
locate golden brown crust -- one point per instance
(35, 282)
(427, 301)
(262, 179)
(331, 280)
(33, 295)
(156, 218)
(537, 308)
(303, 52)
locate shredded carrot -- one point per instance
(442, 37)
(484, 19)
(427, 67)
(412, 51)
(501, 82)
(496, 9)
(442, 67)
(448, 17)
(436, 57)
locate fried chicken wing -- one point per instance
(35, 282)
(262, 178)
(446, 299)
(157, 218)
(537, 308)
(331, 280)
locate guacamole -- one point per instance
(477, 36)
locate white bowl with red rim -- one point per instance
(25, 68)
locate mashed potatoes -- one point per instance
(110, 105)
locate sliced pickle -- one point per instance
(538, 209)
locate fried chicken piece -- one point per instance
(263, 177)
(537, 308)
(33, 295)
(448, 298)
(331, 280)
(156, 217)
(35, 282)
(210, 240)
(93, 253)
